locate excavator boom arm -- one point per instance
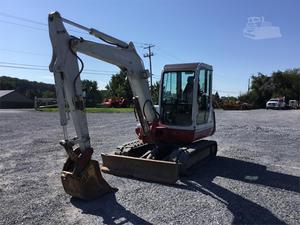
(66, 71)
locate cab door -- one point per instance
(204, 96)
(177, 98)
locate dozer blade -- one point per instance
(88, 185)
(145, 169)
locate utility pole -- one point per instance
(249, 80)
(148, 55)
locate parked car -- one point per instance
(114, 102)
(275, 103)
(293, 104)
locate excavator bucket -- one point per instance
(88, 185)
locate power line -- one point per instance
(30, 21)
(37, 28)
(24, 52)
(142, 44)
(20, 64)
(169, 55)
(21, 67)
(27, 20)
(22, 25)
(41, 69)
(46, 67)
(101, 71)
(22, 19)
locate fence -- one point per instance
(44, 102)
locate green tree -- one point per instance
(27, 88)
(119, 87)
(48, 94)
(216, 100)
(263, 88)
(217, 96)
(279, 84)
(93, 95)
(155, 92)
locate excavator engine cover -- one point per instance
(87, 185)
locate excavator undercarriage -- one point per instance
(164, 164)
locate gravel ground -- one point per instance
(253, 180)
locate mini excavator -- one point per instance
(169, 140)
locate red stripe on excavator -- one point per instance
(166, 134)
(171, 135)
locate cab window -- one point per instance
(177, 98)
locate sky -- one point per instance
(209, 31)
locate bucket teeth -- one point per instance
(87, 185)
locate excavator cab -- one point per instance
(186, 110)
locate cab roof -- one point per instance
(187, 66)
